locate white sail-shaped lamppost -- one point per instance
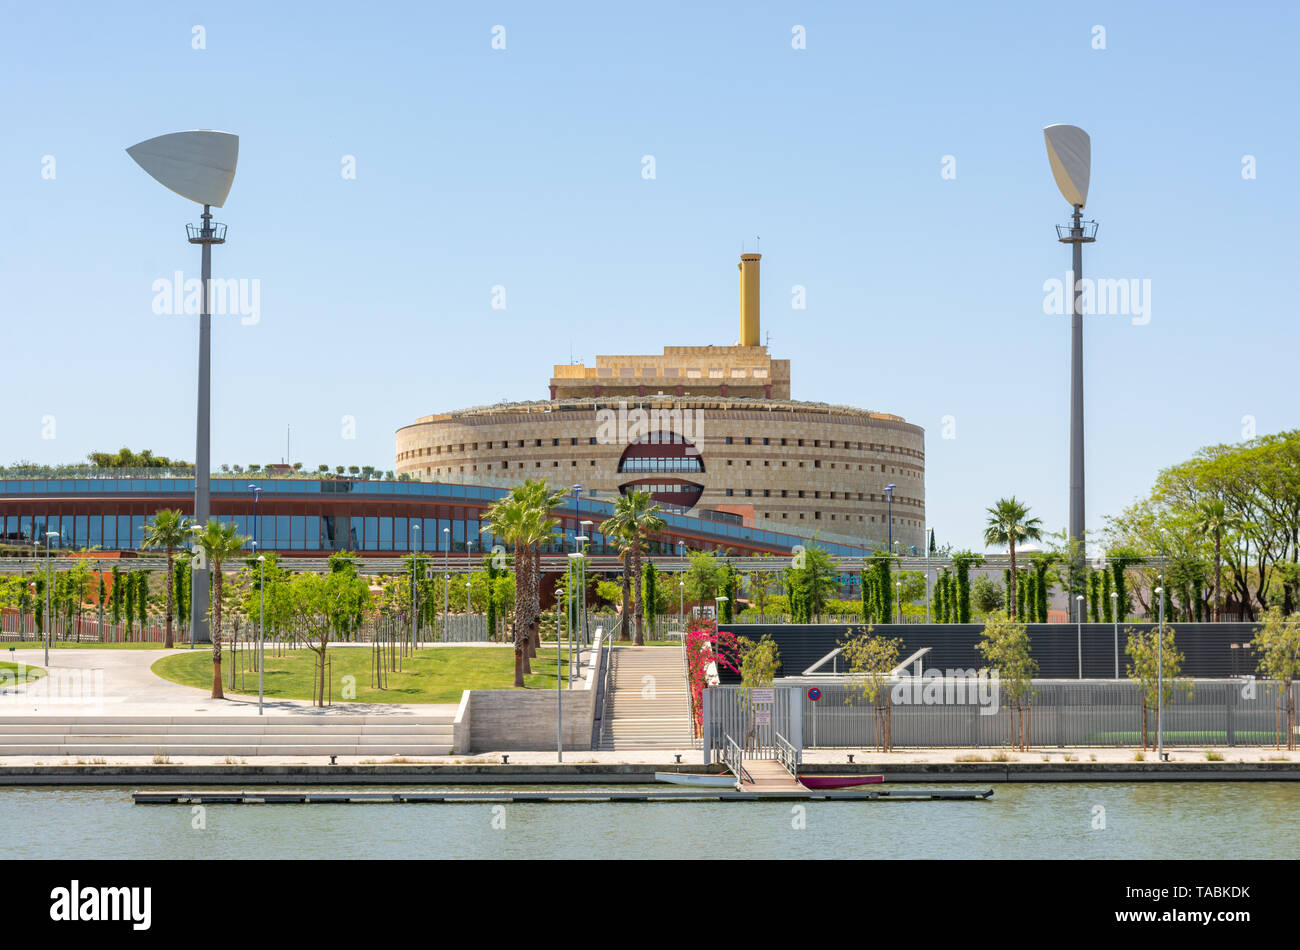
(1070, 152)
(198, 165)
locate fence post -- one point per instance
(1231, 704)
(706, 725)
(796, 723)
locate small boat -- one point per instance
(726, 780)
(839, 781)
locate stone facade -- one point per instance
(804, 467)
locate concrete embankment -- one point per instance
(612, 773)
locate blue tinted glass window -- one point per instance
(356, 534)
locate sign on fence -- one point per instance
(758, 695)
(763, 717)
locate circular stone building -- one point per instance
(709, 430)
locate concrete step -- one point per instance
(252, 729)
(223, 749)
(108, 738)
(323, 719)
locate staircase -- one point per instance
(236, 736)
(648, 705)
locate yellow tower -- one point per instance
(749, 299)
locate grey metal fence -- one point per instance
(970, 712)
(761, 721)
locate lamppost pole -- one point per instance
(261, 624)
(889, 495)
(927, 575)
(49, 617)
(1114, 614)
(582, 599)
(1160, 677)
(446, 578)
(257, 493)
(559, 696)
(898, 586)
(415, 574)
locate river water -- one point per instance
(1052, 820)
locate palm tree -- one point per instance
(217, 542)
(506, 519)
(524, 519)
(624, 541)
(1008, 523)
(540, 504)
(1213, 518)
(635, 516)
(168, 530)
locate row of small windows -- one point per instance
(799, 493)
(665, 437)
(429, 472)
(817, 463)
(829, 443)
(674, 372)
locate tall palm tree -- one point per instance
(169, 529)
(524, 519)
(540, 503)
(635, 516)
(1213, 518)
(507, 519)
(217, 542)
(1008, 523)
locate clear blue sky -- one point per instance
(522, 168)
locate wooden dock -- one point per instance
(768, 776)
(312, 797)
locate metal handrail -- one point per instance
(786, 755)
(733, 757)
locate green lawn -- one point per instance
(436, 675)
(9, 673)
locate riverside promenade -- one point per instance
(129, 691)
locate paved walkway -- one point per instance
(132, 689)
(666, 757)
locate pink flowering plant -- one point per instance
(705, 646)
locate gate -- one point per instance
(763, 722)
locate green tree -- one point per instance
(169, 529)
(218, 542)
(1213, 518)
(523, 519)
(871, 658)
(650, 584)
(1149, 654)
(812, 580)
(1005, 646)
(1009, 523)
(962, 562)
(759, 662)
(116, 596)
(1277, 643)
(128, 602)
(987, 596)
(142, 599)
(635, 516)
